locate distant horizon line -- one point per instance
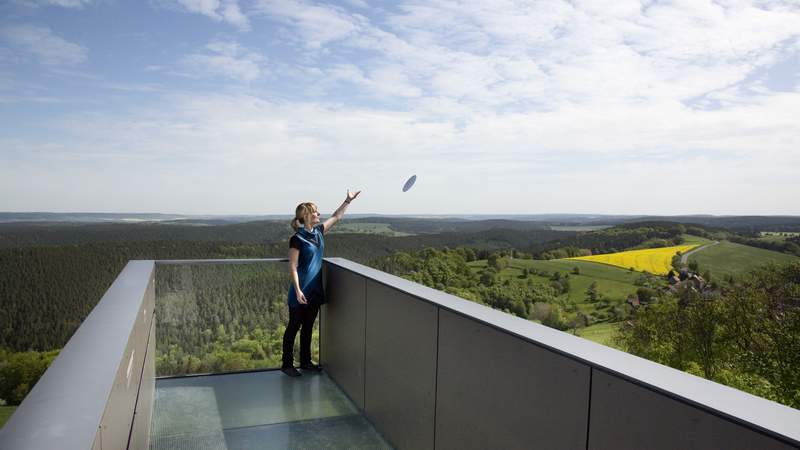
(372, 214)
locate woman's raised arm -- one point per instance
(337, 215)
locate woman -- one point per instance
(306, 293)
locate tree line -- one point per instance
(791, 245)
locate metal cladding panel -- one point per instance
(496, 390)
(140, 434)
(343, 327)
(625, 415)
(119, 413)
(401, 347)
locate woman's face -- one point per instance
(312, 218)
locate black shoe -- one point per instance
(311, 367)
(291, 371)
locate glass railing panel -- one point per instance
(219, 332)
(215, 318)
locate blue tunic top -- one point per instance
(311, 245)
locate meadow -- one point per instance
(612, 284)
(383, 229)
(777, 236)
(602, 333)
(579, 227)
(654, 260)
(689, 239)
(5, 414)
(731, 259)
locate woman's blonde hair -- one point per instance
(303, 210)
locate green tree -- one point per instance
(645, 294)
(763, 323)
(488, 277)
(592, 295)
(739, 337)
(555, 318)
(20, 371)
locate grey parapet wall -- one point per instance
(431, 370)
(88, 397)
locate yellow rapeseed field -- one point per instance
(654, 260)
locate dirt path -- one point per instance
(685, 256)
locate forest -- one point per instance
(222, 318)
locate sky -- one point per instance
(498, 107)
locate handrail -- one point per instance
(168, 262)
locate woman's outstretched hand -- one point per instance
(352, 195)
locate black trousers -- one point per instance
(301, 318)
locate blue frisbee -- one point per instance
(410, 183)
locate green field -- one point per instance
(692, 239)
(579, 227)
(5, 413)
(602, 333)
(777, 236)
(728, 258)
(612, 282)
(368, 228)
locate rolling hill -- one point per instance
(728, 258)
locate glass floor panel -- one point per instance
(257, 410)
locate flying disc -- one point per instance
(409, 183)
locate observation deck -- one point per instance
(158, 365)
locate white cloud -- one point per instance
(43, 45)
(232, 14)
(358, 3)
(547, 54)
(205, 7)
(233, 150)
(384, 81)
(226, 59)
(27, 99)
(316, 24)
(61, 3)
(220, 10)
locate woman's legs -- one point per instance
(309, 316)
(301, 318)
(295, 321)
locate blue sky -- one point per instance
(252, 106)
